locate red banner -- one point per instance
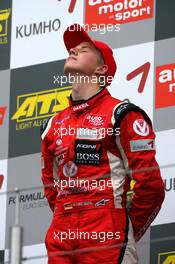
(165, 86)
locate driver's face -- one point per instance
(83, 59)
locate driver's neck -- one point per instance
(84, 91)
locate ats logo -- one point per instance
(166, 258)
(165, 86)
(33, 107)
(4, 15)
(122, 11)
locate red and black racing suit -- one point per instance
(91, 151)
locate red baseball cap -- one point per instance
(75, 34)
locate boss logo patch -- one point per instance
(88, 152)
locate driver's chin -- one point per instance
(68, 69)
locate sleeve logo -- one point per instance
(141, 127)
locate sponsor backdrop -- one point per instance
(32, 56)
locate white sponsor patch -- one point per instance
(141, 127)
(60, 158)
(42, 163)
(70, 169)
(59, 141)
(85, 133)
(142, 144)
(79, 107)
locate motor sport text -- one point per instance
(123, 11)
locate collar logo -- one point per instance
(141, 127)
(79, 107)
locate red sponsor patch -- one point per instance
(165, 86)
(117, 12)
(1, 180)
(2, 114)
(94, 120)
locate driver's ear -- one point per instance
(101, 69)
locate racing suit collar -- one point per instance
(80, 105)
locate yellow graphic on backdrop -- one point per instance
(166, 258)
(41, 104)
(33, 107)
(4, 15)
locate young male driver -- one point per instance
(87, 172)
